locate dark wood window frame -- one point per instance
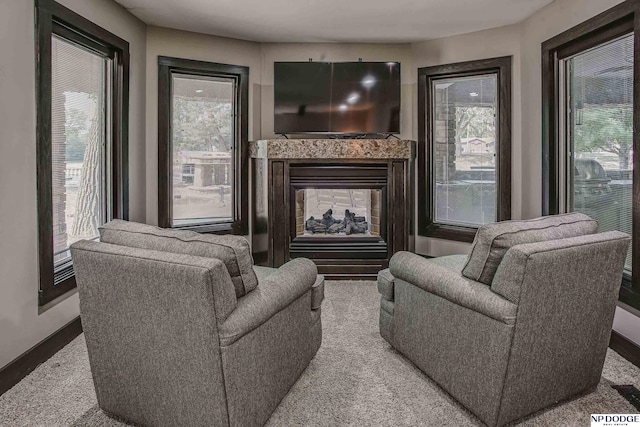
(426, 218)
(166, 67)
(609, 25)
(52, 18)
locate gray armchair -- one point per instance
(534, 335)
(177, 337)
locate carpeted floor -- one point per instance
(355, 379)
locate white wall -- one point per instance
(523, 41)
(186, 45)
(259, 57)
(21, 327)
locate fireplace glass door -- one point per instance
(331, 212)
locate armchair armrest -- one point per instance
(452, 286)
(385, 284)
(317, 293)
(272, 295)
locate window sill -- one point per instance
(220, 228)
(450, 232)
(48, 295)
(57, 300)
(628, 295)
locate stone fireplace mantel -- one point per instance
(332, 149)
(293, 176)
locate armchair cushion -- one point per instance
(233, 251)
(452, 286)
(276, 292)
(492, 241)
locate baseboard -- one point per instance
(350, 277)
(625, 348)
(24, 364)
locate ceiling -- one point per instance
(372, 21)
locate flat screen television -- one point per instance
(338, 97)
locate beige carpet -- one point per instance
(355, 379)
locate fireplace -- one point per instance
(355, 198)
(335, 211)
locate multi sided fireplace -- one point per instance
(337, 212)
(347, 213)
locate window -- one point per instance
(81, 84)
(78, 136)
(203, 145)
(588, 138)
(599, 135)
(464, 147)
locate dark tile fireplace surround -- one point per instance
(296, 179)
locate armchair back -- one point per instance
(566, 291)
(135, 314)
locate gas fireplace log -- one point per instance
(315, 226)
(351, 224)
(327, 218)
(335, 228)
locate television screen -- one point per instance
(302, 97)
(346, 97)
